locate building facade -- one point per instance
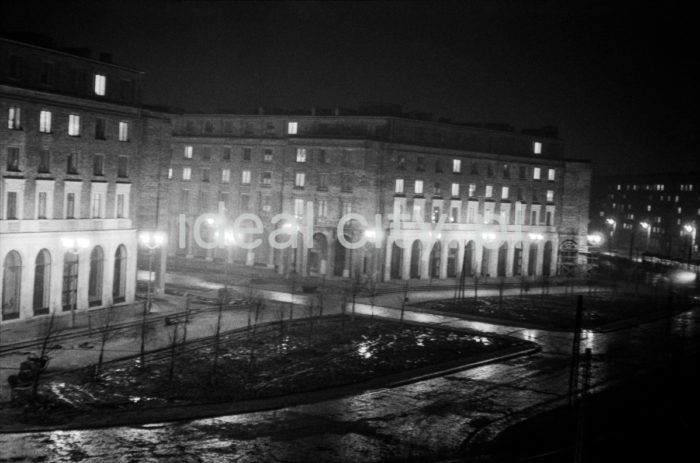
(432, 196)
(69, 141)
(658, 214)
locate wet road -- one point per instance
(429, 420)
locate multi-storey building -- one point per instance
(656, 213)
(511, 204)
(69, 139)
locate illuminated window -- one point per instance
(123, 131)
(291, 128)
(455, 190)
(41, 205)
(347, 208)
(551, 173)
(418, 188)
(550, 196)
(188, 151)
(456, 166)
(267, 178)
(298, 207)
(472, 190)
(536, 172)
(245, 177)
(225, 175)
(73, 125)
(120, 206)
(301, 154)
(45, 122)
(648, 207)
(504, 192)
(299, 179)
(398, 187)
(186, 173)
(267, 156)
(100, 84)
(322, 208)
(489, 191)
(170, 173)
(537, 147)
(96, 210)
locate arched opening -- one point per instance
(339, 261)
(416, 251)
(318, 255)
(502, 259)
(119, 280)
(435, 260)
(468, 263)
(485, 260)
(97, 258)
(11, 283)
(42, 283)
(518, 259)
(452, 261)
(396, 260)
(547, 259)
(70, 280)
(532, 260)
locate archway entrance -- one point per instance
(416, 251)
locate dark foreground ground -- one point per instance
(650, 418)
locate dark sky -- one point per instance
(616, 78)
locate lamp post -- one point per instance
(690, 231)
(151, 240)
(613, 224)
(74, 246)
(647, 227)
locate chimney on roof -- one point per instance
(106, 57)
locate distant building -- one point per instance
(656, 213)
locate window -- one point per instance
(70, 205)
(437, 189)
(472, 190)
(206, 175)
(98, 163)
(170, 173)
(490, 171)
(100, 84)
(72, 163)
(420, 164)
(44, 161)
(347, 207)
(418, 187)
(186, 173)
(47, 73)
(301, 154)
(226, 156)
(323, 181)
(225, 175)
(537, 147)
(292, 128)
(456, 166)
(322, 208)
(125, 92)
(266, 204)
(100, 129)
(398, 187)
(506, 171)
(247, 154)
(122, 166)
(45, 122)
(224, 197)
(551, 174)
(203, 201)
(346, 183)
(123, 131)
(16, 67)
(185, 201)
(523, 173)
(550, 196)
(267, 178)
(438, 166)
(120, 206)
(475, 169)
(536, 173)
(245, 203)
(504, 192)
(298, 207)
(489, 191)
(11, 206)
(189, 149)
(96, 209)
(323, 157)
(206, 153)
(245, 177)
(14, 121)
(299, 179)
(455, 190)
(74, 126)
(267, 155)
(401, 162)
(13, 159)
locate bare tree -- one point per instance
(173, 345)
(49, 333)
(404, 300)
(501, 287)
(476, 285)
(107, 317)
(185, 322)
(217, 335)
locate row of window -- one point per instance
(71, 210)
(14, 122)
(44, 165)
(205, 153)
(399, 188)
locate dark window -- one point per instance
(227, 154)
(11, 205)
(401, 162)
(206, 153)
(323, 181)
(420, 164)
(490, 171)
(72, 163)
(438, 166)
(506, 171)
(98, 164)
(44, 162)
(245, 203)
(247, 154)
(205, 175)
(16, 67)
(437, 190)
(475, 168)
(70, 205)
(203, 201)
(346, 183)
(13, 159)
(100, 125)
(125, 90)
(224, 197)
(208, 127)
(523, 172)
(47, 73)
(122, 166)
(185, 201)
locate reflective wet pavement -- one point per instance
(425, 421)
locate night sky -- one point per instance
(616, 78)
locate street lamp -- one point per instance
(690, 231)
(74, 246)
(646, 226)
(613, 224)
(151, 240)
